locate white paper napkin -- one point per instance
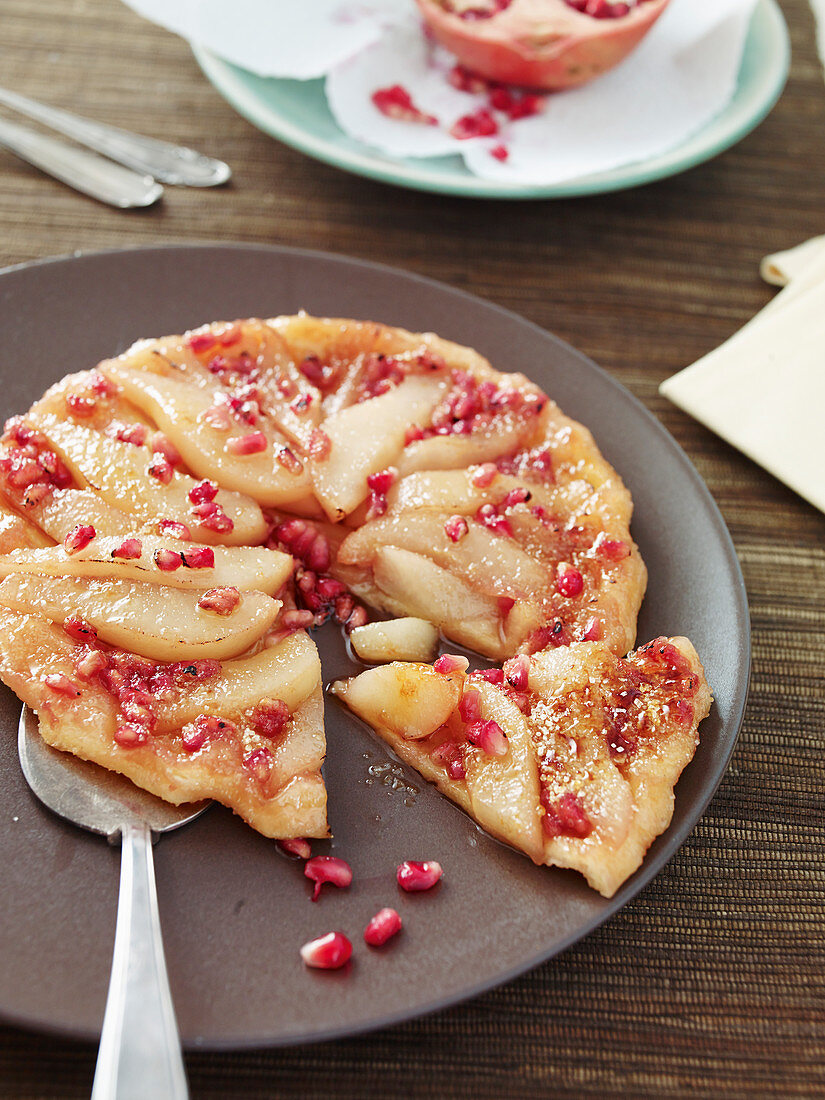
(764, 389)
(672, 86)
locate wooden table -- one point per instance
(711, 982)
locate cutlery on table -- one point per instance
(86, 172)
(169, 163)
(140, 1053)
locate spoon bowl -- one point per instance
(140, 1052)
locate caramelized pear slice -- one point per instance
(64, 509)
(119, 472)
(164, 624)
(405, 639)
(410, 583)
(367, 438)
(504, 790)
(409, 700)
(181, 411)
(290, 671)
(492, 564)
(244, 567)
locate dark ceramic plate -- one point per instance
(234, 910)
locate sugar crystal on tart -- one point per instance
(570, 755)
(175, 520)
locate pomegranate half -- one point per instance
(546, 44)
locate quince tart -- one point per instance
(173, 521)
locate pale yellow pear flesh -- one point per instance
(119, 472)
(409, 700)
(405, 639)
(163, 624)
(244, 567)
(180, 410)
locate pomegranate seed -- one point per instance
(382, 481)
(296, 846)
(203, 491)
(569, 582)
(321, 869)
(222, 601)
(489, 737)
(413, 434)
(200, 342)
(450, 755)
(78, 538)
(230, 336)
(252, 444)
(286, 458)
(61, 683)
(80, 406)
(456, 528)
(565, 817)
(501, 99)
(359, 617)
(593, 630)
(79, 630)
(467, 81)
(161, 444)
(448, 663)
(301, 404)
(396, 102)
(35, 493)
(269, 717)
(90, 664)
(130, 734)
(161, 468)
(297, 620)
(199, 557)
(526, 106)
(329, 952)
(320, 445)
(312, 369)
(500, 152)
(216, 519)
(134, 434)
(174, 529)
(101, 385)
(217, 417)
(413, 876)
(479, 123)
(470, 706)
(167, 560)
(384, 925)
(128, 549)
(517, 671)
(611, 549)
(259, 762)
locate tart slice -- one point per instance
(190, 691)
(570, 755)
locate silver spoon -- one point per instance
(139, 1052)
(86, 172)
(166, 162)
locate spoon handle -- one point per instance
(140, 1053)
(170, 163)
(80, 169)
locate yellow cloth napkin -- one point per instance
(763, 390)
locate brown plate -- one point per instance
(234, 910)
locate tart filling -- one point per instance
(175, 520)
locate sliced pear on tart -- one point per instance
(570, 755)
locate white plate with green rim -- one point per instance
(296, 112)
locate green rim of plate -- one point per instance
(296, 113)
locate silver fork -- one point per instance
(175, 164)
